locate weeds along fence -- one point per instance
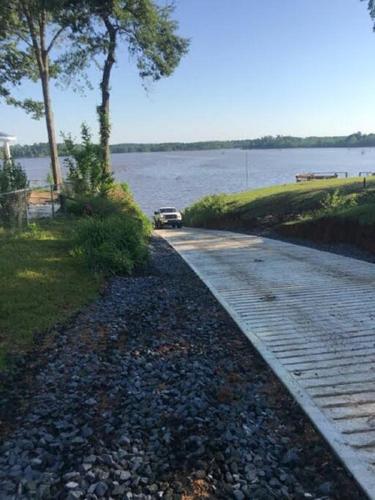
(19, 207)
(44, 200)
(14, 208)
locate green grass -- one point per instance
(364, 213)
(283, 202)
(40, 282)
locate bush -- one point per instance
(12, 177)
(13, 206)
(86, 172)
(97, 206)
(205, 210)
(336, 201)
(115, 244)
(117, 200)
(112, 234)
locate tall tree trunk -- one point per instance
(50, 122)
(103, 109)
(38, 37)
(104, 124)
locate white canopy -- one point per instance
(6, 137)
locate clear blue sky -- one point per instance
(255, 67)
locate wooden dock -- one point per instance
(310, 314)
(316, 176)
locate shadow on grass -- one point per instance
(279, 203)
(294, 201)
(40, 283)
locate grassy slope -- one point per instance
(364, 213)
(285, 201)
(40, 283)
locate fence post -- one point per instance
(27, 207)
(52, 201)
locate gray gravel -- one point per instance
(152, 392)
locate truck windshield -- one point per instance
(167, 210)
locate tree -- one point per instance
(371, 8)
(144, 28)
(30, 31)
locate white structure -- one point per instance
(6, 139)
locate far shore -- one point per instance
(357, 140)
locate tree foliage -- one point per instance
(29, 27)
(371, 8)
(12, 177)
(84, 164)
(36, 44)
(58, 40)
(141, 28)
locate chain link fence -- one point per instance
(18, 208)
(14, 209)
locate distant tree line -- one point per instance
(351, 141)
(268, 142)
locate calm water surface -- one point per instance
(179, 178)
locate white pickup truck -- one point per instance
(167, 216)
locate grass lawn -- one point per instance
(287, 200)
(40, 282)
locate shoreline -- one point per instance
(197, 150)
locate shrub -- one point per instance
(205, 210)
(115, 244)
(112, 234)
(86, 172)
(12, 177)
(336, 201)
(117, 200)
(97, 206)
(13, 206)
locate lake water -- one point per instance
(179, 178)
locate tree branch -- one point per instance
(25, 40)
(54, 38)
(42, 27)
(33, 36)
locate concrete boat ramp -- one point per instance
(311, 315)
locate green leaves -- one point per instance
(86, 172)
(15, 66)
(154, 43)
(12, 177)
(371, 7)
(30, 31)
(150, 34)
(144, 29)
(60, 39)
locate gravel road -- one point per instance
(152, 392)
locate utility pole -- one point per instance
(247, 170)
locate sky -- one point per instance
(254, 68)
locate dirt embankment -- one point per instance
(333, 230)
